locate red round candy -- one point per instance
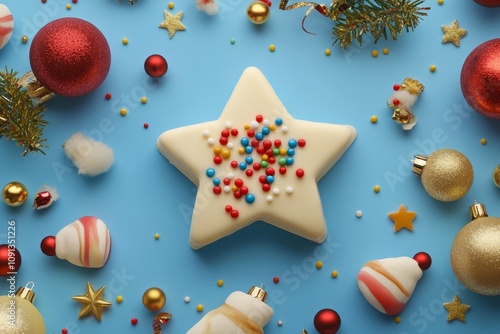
(226, 181)
(261, 150)
(64, 331)
(488, 3)
(234, 163)
(256, 166)
(155, 66)
(277, 143)
(9, 263)
(108, 96)
(48, 246)
(249, 172)
(223, 140)
(301, 143)
(146, 125)
(254, 143)
(235, 213)
(424, 260)
(134, 321)
(251, 133)
(70, 57)
(217, 159)
(267, 143)
(271, 160)
(238, 182)
(224, 133)
(234, 132)
(237, 194)
(396, 87)
(266, 187)
(327, 321)
(276, 279)
(270, 171)
(262, 179)
(217, 190)
(282, 170)
(395, 102)
(299, 172)
(244, 190)
(228, 208)
(259, 118)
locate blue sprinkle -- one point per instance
(249, 198)
(244, 141)
(216, 181)
(259, 136)
(289, 161)
(266, 130)
(248, 149)
(278, 121)
(290, 152)
(292, 143)
(249, 160)
(210, 172)
(243, 166)
(269, 179)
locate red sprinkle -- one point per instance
(251, 133)
(271, 160)
(396, 87)
(256, 166)
(223, 140)
(267, 143)
(237, 194)
(244, 190)
(282, 170)
(226, 181)
(133, 321)
(217, 190)
(301, 142)
(64, 330)
(249, 172)
(108, 95)
(277, 143)
(395, 102)
(228, 208)
(235, 213)
(238, 182)
(266, 187)
(262, 179)
(234, 132)
(234, 164)
(259, 118)
(270, 171)
(299, 172)
(254, 143)
(224, 133)
(75, 1)
(217, 159)
(146, 125)
(261, 150)
(276, 279)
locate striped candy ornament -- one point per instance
(6, 25)
(388, 284)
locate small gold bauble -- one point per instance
(496, 176)
(258, 12)
(154, 299)
(475, 256)
(14, 193)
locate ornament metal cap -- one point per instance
(259, 293)
(26, 292)
(419, 162)
(477, 210)
(35, 89)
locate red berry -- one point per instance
(133, 321)
(395, 102)
(146, 125)
(276, 279)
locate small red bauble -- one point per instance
(488, 3)
(480, 79)
(48, 245)
(70, 57)
(155, 66)
(424, 260)
(10, 260)
(327, 321)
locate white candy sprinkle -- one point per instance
(211, 141)
(227, 189)
(230, 145)
(230, 176)
(359, 213)
(276, 191)
(284, 129)
(280, 323)
(254, 125)
(206, 133)
(269, 198)
(187, 299)
(289, 190)
(228, 125)
(266, 122)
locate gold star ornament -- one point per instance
(402, 218)
(453, 33)
(456, 310)
(92, 302)
(172, 23)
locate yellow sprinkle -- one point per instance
(220, 282)
(234, 187)
(283, 151)
(440, 2)
(24, 39)
(376, 188)
(170, 5)
(246, 126)
(483, 141)
(144, 100)
(199, 307)
(119, 299)
(157, 236)
(272, 127)
(374, 53)
(385, 51)
(123, 111)
(125, 41)
(272, 48)
(265, 157)
(328, 52)
(335, 274)
(241, 150)
(68, 6)
(432, 68)
(319, 264)
(397, 320)
(217, 150)
(226, 153)
(374, 119)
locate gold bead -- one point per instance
(154, 299)
(258, 12)
(14, 194)
(24, 39)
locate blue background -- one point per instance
(142, 194)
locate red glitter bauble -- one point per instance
(480, 79)
(488, 3)
(327, 321)
(9, 263)
(424, 260)
(70, 57)
(155, 66)
(48, 245)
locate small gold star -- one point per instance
(172, 23)
(453, 33)
(92, 302)
(456, 310)
(402, 218)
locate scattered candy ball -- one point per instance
(123, 111)
(232, 41)
(440, 2)
(276, 279)
(107, 96)
(280, 323)
(397, 320)
(327, 321)
(374, 119)
(359, 213)
(155, 66)
(119, 299)
(68, 6)
(199, 307)
(385, 51)
(144, 100)
(375, 53)
(220, 283)
(272, 47)
(64, 330)
(432, 68)
(133, 321)
(376, 188)
(24, 39)
(154, 299)
(258, 12)
(328, 52)
(483, 141)
(187, 299)
(14, 193)
(170, 5)
(157, 236)
(319, 264)
(146, 125)
(335, 274)
(124, 41)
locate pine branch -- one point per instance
(377, 17)
(21, 119)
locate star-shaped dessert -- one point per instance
(172, 23)
(92, 302)
(456, 310)
(453, 33)
(256, 162)
(402, 218)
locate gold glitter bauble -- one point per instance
(14, 194)
(258, 12)
(19, 315)
(496, 176)
(154, 299)
(446, 174)
(475, 256)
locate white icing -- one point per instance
(252, 96)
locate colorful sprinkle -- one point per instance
(187, 299)
(157, 236)
(64, 330)
(328, 52)
(280, 323)
(123, 111)
(359, 213)
(376, 188)
(199, 307)
(272, 48)
(124, 41)
(319, 264)
(440, 2)
(74, 1)
(289, 190)
(232, 41)
(170, 5)
(234, 213)
(210, 172)
(276, 279)
(146, 125)
(385, 51)
(107, 96)
(68, 6)
(483, 141)
(119, 299)
(24, 39)
(375, 53)
(299, 173)
(335, 274)
(397, 320)
(432, 68)
(374, 119)
(133, 321)
(144, 100)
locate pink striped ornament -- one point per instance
(6, 25)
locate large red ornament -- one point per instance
(488, 3)
(9, 263)
(156, 66)
(327, 321)
(480, 79)
(70, 57)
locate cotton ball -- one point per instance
(89, 156)
(405, 98)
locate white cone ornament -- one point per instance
(240, 313)
(388, 284)
(6, 25)
(86, 242)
